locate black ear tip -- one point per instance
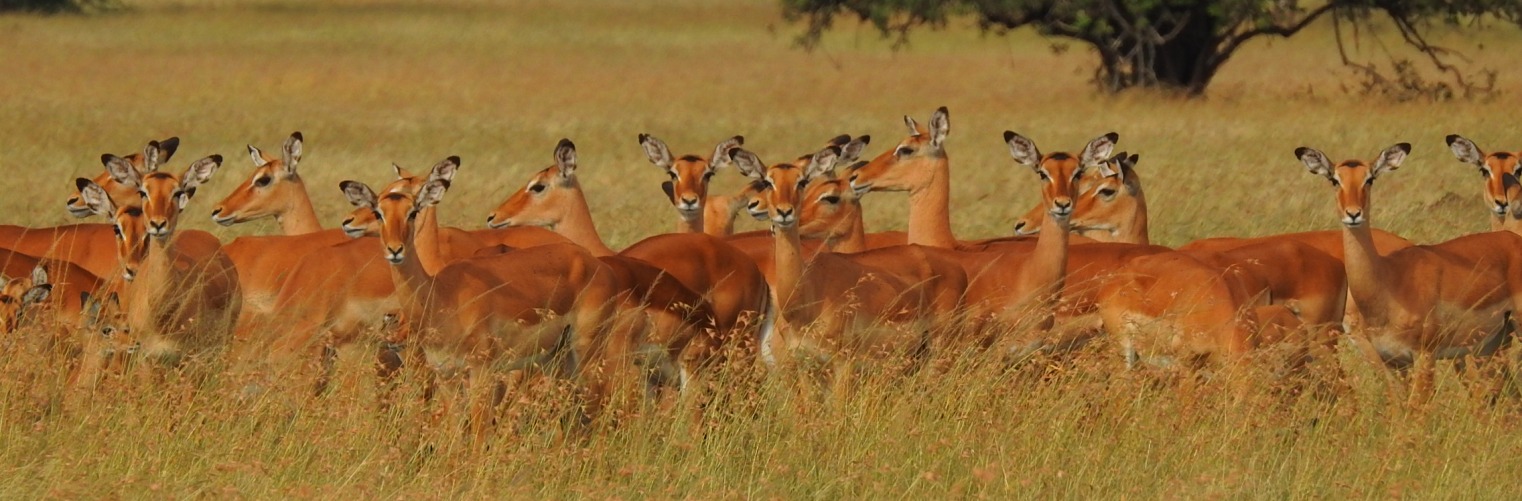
(171, 142)
(454, 159)
(344, 185)
(942, 110)
(81, 183)
(739, 139)
(1406, 147)
(1113, 137)
(865, 139)
(153, 144)
(297, 136)
(216, 159)
(105, 158)
(1301, 151)
(1452, 138)
(643, 137)
(841, 139)
(1009, 135)
(565, 143)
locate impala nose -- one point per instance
(784, 216)
(394, 255)
(1500, 206)
(688, 204)
(1352, 217)
(1062, 207)
(158, 229)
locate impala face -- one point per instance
(911, 163)
(16, 295)
(543, 200)
(1102, 193)
(155, 154)
(397, 211)
(267, 191)
(363, 219)
(106, 318)
(783, 182)
(690, 174)
(1060, 172)
(127, 222)
(1353, 179)
(1500, 170)
(828, 208)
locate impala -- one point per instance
(155, 154)
(1423, 302)
(43, 286)
(274, 189)
(519, 310)
(1500, 170)
(89, 245)
(733, 284)
(688, 187)
(17, 295)
(106, 340)
(181, 292)
(836, 308)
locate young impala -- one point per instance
(1423, 302)
(1502, 190)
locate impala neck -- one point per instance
(428, 242)
(719, 215)
(694, 224)
(413, 282)
(1365, 268)
(576, 225)
(1135, 231)
(1046, 268)
(855, 237)
(152, 284)
(299, 218)
(930, 209)
(787, 264)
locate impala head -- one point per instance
(19, 294)
(547, 196)
(163, 195)
(127, 221)
(1353, 178)
(912, 164)
(829, 207)
(785, 182)
(362, 221)
(1109, 198)
(268, 190)
(1060, 172)
(1500, 170)
(154, 155)
(105, 317)
(690, 174)
(397, 211)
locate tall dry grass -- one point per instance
(374, 82)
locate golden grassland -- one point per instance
(370, 83)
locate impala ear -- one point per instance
(1465, 150)
(167, 148)
(914, 127)
(748, 163)
(1098, 150)
(40, 274)
(670, 189)
(1022, 149)
(565, 158)
(197, 174)
(1111, 167)
(431, 193)
(720, 156)
(852, 150)
(257, 156)
(402, 173)
(940, 127)
(359, 194)
(823, 163)
(292, 153)
(1315, 161)
(36, 294)
(121, 170)
(152, 156)
(656, 151)
(444, 170)
(1391, 158)
(95, 198)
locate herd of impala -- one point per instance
(538, 288)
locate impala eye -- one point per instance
(707, 175)
(375, 214)
(1368, 182)
(905, 151)
(1043, 175)
(538, 188)
(1107, 193)
(263, 181)
(1335, 183)
(830, 199)
(672, 174)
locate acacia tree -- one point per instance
(1171, 44)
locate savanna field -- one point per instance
(371, 83)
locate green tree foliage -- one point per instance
(1173, 44)
(54, 6)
